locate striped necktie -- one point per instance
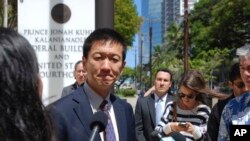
(109, 134)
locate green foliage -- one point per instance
(202, 14)
(216, 32)
(200, 26)
(230, 23)
(217, 28)
(127, 22)
(126, 92)
(126, 74)
(169, 55)
(166, 57)
(204, 56)
(12, 13)
(209, 61)
(222, 24)
(174, 35)
(128, 71)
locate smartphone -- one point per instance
(182, 124)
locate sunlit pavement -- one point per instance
(132, 101)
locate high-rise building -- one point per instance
(152, 18)
(174, 11)
(158, 14)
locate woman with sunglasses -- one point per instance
(188, 115)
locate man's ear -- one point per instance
(171, 83)
(84, 63)
(74, 73)
(123, 66)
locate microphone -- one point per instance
(98, 124)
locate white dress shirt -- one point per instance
(95, 101)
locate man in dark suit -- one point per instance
(146, 114)
(104, 53)
(79, 75)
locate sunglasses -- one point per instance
(190, 96)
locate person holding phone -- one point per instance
(188, 115)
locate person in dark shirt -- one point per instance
(80, 76)
(238, 87)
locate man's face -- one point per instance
(80, 74)
(245, 70)
(162, 83)
(237, 86)
(104, 64)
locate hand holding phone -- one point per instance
(182, 124)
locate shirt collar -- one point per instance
(94, 99)
(164, 97)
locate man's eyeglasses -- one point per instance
(190, 96)
(240, 85)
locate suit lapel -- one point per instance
(169, 98)
(120, 117)
(151, 107)
(74, 86)
(83, 110)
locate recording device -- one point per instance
(182, 124)
(98, 124)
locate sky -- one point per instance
(132, 52)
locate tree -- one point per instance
(127, 22)
(209, 61)
(12, 13)
(126, 74)
(222, 24)
(202, 56)
(216, 33)
(200, 25)
(230, 23)
(169, 54)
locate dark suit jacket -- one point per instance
(72, 116)
(145, 117)
(69, 89)
(214, 118)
